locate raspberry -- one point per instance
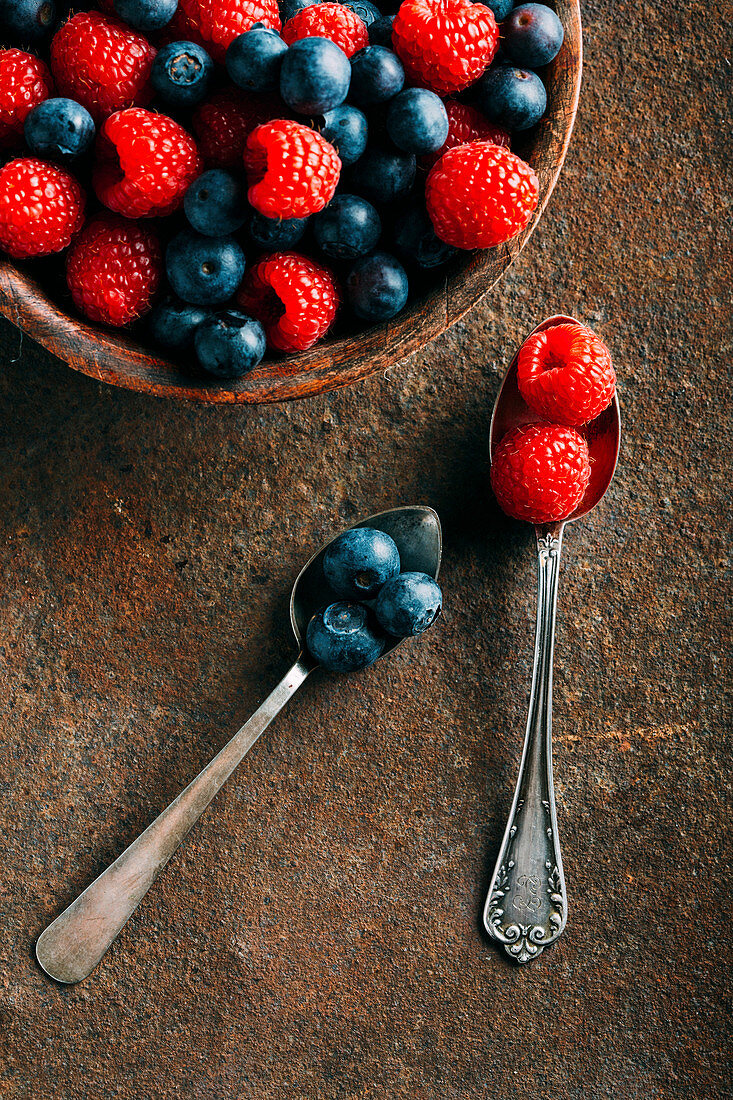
(294, 298)
(41, 208)
(292, 171)
(224, 122)
(216, 23)
(565, 374)
(145, 164)
(102, 64)
(444, 44)
(113, 270)
(466, 124)
(24, 83)
(340, 24)
(480, 195)
(540, 472)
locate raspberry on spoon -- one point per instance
(565, 374)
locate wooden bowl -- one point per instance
(112, 357)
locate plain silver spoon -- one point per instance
(527, 908)
(73, 944)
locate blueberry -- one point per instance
(59, 128)
(416, 240)
(408, 604)
(204, 270)
(146, 15)
(383, 175)
(216, 203)
(347, 130)
(514, 98)
(274, 234)
(314, 76)
(380, 31)
(376, 75)
(417, 121)
(347, 228)
(181, 73)
(344, 637)
(532, 36)
(172, 323)
(289, 8)
(28, 20)
(228, 344)
(360, 561)
(377, 287)
(367, 12)
(253, 59)
(500, 8)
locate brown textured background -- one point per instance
(318, 937)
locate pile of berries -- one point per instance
(241, 171)
(377, 601)
(540, 471)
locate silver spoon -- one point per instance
(527, 908)
(73, 944)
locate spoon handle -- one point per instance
(73, 944)
(526, 908)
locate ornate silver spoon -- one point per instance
(73, 944)
(526, 908)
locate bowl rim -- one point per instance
(115, 358)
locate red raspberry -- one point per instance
(113, 270)
(292, 171)
(145, 163)
(540, 472)
(41, 208)
(466, 124)
(224, 122)
(101, 63)
(480, 195)
(24, 83)
(340, 24)
(293, 297)
(216, 23)
(444, 44)
(565, 374)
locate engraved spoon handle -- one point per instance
(73, 944)
(526, 908)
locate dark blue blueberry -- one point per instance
(377, 287)
(514, 98)
(228, 344)
(275, 234)
(360, 561)
(532, 36)
(172, 323)
(344, 637)
(59, 128)
(204, 270)
(376, 75)
(383, 175)
(314, 76)
(289, 8)
(216, 203)
(408, 604)
(27, 20)
(380, 32)
(253, 59)
(417, 121)
(181, 73)
(347, 130)
(347, 228)
(416, 240)
(366, 11)
(146, 15)
(500, 8)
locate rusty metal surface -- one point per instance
(318, 936)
